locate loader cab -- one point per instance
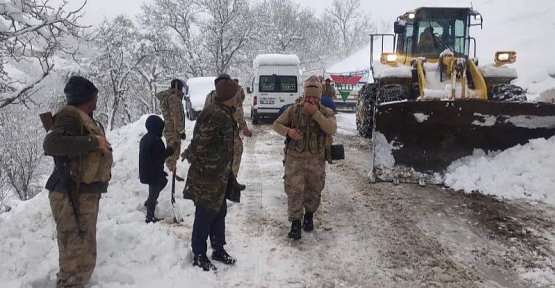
(427, 32)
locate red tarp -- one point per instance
(352, 80)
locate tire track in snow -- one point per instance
(406, 254)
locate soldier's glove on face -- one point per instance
(182, 136)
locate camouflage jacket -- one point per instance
(310, 144)
(169, 104)
(211, 155)
(72, 136)
(329, 91)
(239, 114)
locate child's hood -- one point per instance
(155, 125)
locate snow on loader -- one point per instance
(431, 103)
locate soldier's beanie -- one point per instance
(226, 89)
(313, 87)
(79, 90)
(177, 82)
(221, 77)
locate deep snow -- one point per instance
(133, 254)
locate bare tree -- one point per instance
(32, 30)
(152, 69)
(4, 193)
(228, 26)
(114, 68)
(349, 24)
(21, 152)
(284, 25)
(177, 21)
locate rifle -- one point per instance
(73, 193)
(61, 166)
(47, 120)
(286, 142)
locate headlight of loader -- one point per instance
(505, 57)
(388, 58)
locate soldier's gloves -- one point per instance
(182, 136)
(169, 151)
(184, 156)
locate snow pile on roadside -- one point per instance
(130, 252)
(521, 172)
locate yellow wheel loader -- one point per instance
(431, 103)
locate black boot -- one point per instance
(308, 224)
(203, 262)
(222, 256)
(295, 232)
(153, 219)
(146, 206)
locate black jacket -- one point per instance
(152, 152)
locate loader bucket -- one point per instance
(416, 141)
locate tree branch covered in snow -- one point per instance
(176, 20)
(4, 192)
(284, 26)
(130, 60)
(21, 152)
(127, 62)
(33, 31)
(228, 27)
(349, 24)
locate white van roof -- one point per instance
(276, 60)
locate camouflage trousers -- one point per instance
(77, 255)
(237, 154)
(176, 145)
(304, 181)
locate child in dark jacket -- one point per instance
(152, 154)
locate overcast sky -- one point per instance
(387, 10)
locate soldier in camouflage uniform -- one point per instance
(239, 117)
(210, 154)
(83, 161)
(171, 104)
(328, 90)
(306, 124)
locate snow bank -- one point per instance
(130, 253)
(521, 172)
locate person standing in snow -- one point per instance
(211, 154)
(328, 90)
(83, 161)
(307, 125)
(172, 109)
(239, 117)
(151, 163)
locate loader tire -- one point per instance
(507, 92)
(365, 110)
(391, 93)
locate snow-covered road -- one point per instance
(384, 235)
